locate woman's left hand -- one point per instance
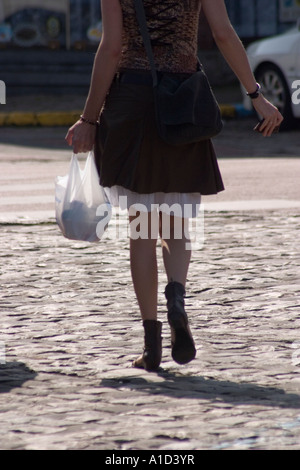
(81, 136)
(272, 118)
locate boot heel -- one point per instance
(183, 348)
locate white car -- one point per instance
(275, 62)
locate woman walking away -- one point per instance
(157, 181)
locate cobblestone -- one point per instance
(71, 327)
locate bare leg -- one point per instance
(143, 262)
(176, 256)
(143, 240)
(175, 240)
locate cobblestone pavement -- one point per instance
(70, 329)
(70, 326)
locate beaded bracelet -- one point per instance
(87, 121)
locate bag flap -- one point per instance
(188, 101)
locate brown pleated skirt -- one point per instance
(130, 153)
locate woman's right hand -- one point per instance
(81, 136)
(271, 116)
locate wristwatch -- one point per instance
(256, 93)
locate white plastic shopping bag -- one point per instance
(81, 207)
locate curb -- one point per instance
(45, 119)
(67, 118)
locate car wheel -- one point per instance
(275, 89)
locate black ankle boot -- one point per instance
(151, 357)
(183, 347)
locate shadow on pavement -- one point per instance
(14, 374)
(207, 389)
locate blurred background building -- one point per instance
(52, 24)
(51, 43)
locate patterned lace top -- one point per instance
(173, 27)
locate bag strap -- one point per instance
(141, 18)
